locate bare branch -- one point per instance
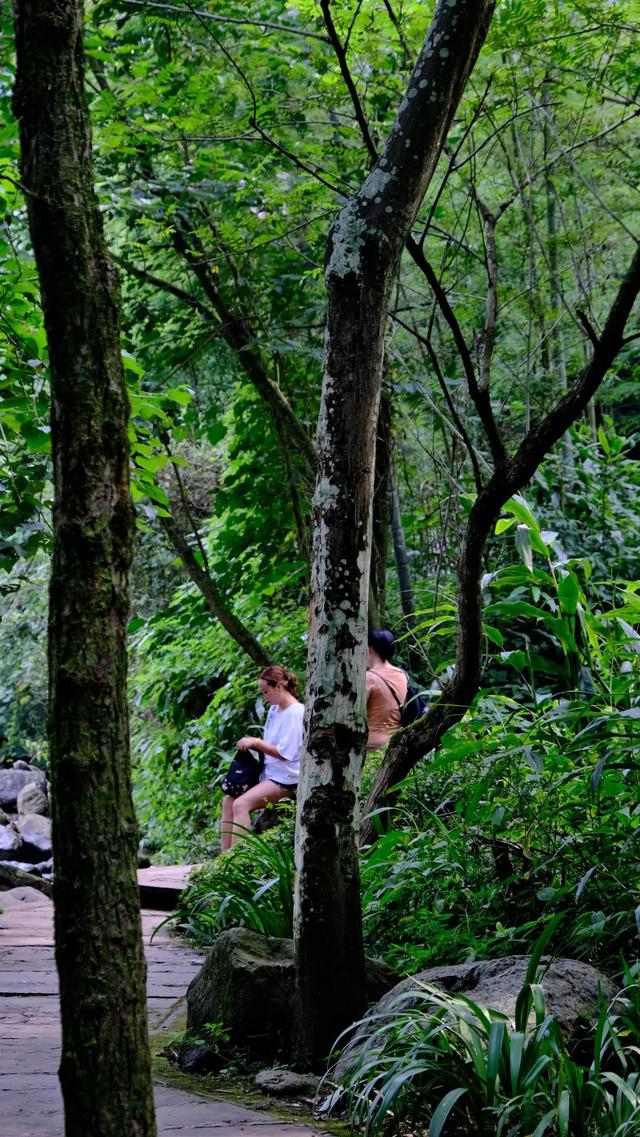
(236, 333)
(165, 286)
(427, 344)
(479, 396)
(288, 29)
(341, 56)
(588, 326)
(212, 596)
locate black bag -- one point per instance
(243, 773)
(414, 706)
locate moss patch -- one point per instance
(232, 1086)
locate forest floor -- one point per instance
(30, 1099)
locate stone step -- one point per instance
(161, 885)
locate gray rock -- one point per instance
(11, 782)
(571, 990)
(23, 867)
(32, 799)
(45, 866)
(246, 984)
(35, 831)
(21, 765)
(26, 894)
(198, 1058)
(282, 1083)
(10, 843)
(11, 877)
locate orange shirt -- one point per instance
(383, 712)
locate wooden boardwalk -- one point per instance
(161, 885)
(30, 1100)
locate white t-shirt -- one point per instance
(283, 729)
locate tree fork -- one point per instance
(363, 254)
(105, 1069)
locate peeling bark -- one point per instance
(363, 254)
(105, 1067)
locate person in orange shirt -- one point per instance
(386, 689)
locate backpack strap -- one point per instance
(374, 672)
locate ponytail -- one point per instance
(276, 674)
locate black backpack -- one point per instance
(414, 706)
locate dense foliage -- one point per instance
(225, 140)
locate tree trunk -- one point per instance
(364, 249)
(105, 1067)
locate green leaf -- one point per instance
(569, 592)
(37, 438)
(494, 635)
(131, 365)
(180, 395)
(443, 1109)
(523, 545)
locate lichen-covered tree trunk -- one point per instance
(364, 249)
(105, 1066)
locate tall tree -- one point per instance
(363, 255)
(105, 1068)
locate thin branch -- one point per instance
(545, 433)
(265, 25)
(479, 397)
(212, 596)
(426, 343)
(341, 56)
(588, 326)
(236, 332)
(406, 51)
(165, 285)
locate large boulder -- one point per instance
(35, 831)
(33, 799)
(571, 989)
(246, 985)
(11, 782)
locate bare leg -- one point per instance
(255, 798)
(226, 823)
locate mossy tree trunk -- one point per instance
(363, 254)
(105, 1067)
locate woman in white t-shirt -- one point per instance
(281, 747)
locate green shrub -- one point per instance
(451, 1064)
(250, 886)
